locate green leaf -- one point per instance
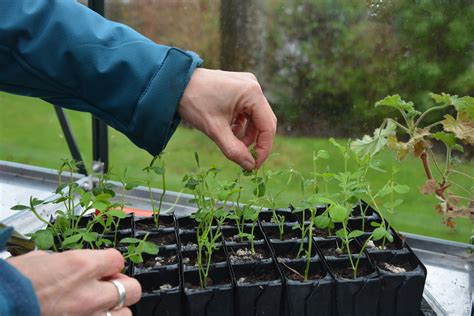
(395, 101)
(44, 239)
(259, 191)
(103, 197)
(158, 170)
(443, 98)
(341, 148)
(196, 157)
(323, 154)
(71, 240)
(60, 200)
(355, 234)
(321, 221)
(101, 206)
(449, 139)
(371, 145)
(90, 236)
(458, 148)
(389, 236)
(136, 258)
(130, 240)
(132, 185)
(464, 104)
(86, 199)
(338, 213)
(379, 233)
(392, 205)
(117, 213)
(401, 188)
(375, 224)
(20, 207)
(150, 248)
(340, 233)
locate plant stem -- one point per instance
(435, 108)
(426, 165)
(360, 255)
(310, 244)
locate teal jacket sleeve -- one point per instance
(17, 296)
(66, 54)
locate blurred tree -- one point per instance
(332, 59)
(243, 36)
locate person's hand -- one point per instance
(77, 282)
(231, 109)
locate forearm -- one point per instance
(17, 296)
(70, 56)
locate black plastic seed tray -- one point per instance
(390, 281)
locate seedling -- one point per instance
(136, 247)
(207, 195)
(64, 232)
(161, 171)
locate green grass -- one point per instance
(30, 133)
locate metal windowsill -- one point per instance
(450, 282)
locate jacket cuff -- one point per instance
(17, 296)
(156, 117)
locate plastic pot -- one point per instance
(231, 235)
(288, 251)
(359, 296)
(259, 289)
(216, 299)
(332, 248)
(402, 290)
(189, 259)
(272, 232)
(163, 238)
(167, 258)
(185, 223)
(266, 217)
(308, 297)
(161, 293)
(241, 253)
(165, 222)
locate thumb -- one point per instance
(233, 148)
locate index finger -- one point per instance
(96, 263)
(265, 122)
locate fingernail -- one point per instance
(248, 164)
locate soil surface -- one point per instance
(378, 245)
(163, 238)
(257, 277)
(298, 275)
(159, 261)
(348, 273)
(210, 282)
(188, 246)
(287, 235)
(187, 224)
(191, 259)
(322, 233)
(268, 218)
(163, 288)
(151, 226)
(395, 268)
(244, 255)
(331, 250)
(237, 238)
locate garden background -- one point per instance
(322, 63)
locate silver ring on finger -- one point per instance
(108, 313)
(121, 292)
